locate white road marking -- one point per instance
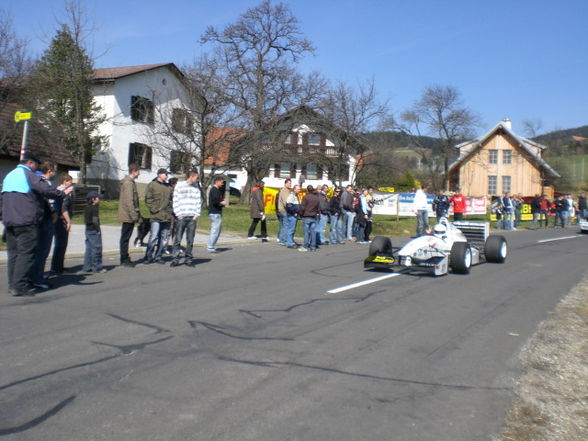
(557, 238)
(358, 284)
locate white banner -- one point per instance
(401, 204)
(385, 203)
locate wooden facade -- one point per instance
(501, 162)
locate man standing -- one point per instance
(347, 210)
(21, 209)
(187, 203)
(292, 210)
(46, 229)
(582, 206)
(282, 215)
(158, 200)
(336, 233)
(459, 205)
(216, 203)
(64, 210)
(323, 216)
(309, 210)
(508, 211)
(128, 212)
(421, 210)
(257, 212)
(441, 206)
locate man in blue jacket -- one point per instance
(21, 209)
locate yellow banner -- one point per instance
(270, 195)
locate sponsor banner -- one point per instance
(406, 203)
(474, 205)
(526, 214)
(385, 203)
(270, 196)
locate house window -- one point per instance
(506, 184)
(507, 156)
(142, 110)
(179, 162)
(492, 185)
(314, 139)
(293, 138)
(285, 170)
(493, 156)
(182, 121)
(140, 154)
(311, 171)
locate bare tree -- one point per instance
(255, 59)
(352, 112)
(532, 126)
(441, 112)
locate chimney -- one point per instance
(507, 123)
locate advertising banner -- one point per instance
(475, 205)
(406, 202)
(270, 195)
(385, 203)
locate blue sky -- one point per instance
(520, 59)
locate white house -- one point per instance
(148, 108)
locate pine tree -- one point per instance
(62, 90)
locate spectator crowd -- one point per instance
(36, 214)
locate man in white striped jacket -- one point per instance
(187, 203)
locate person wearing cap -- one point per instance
(21, 209)
(93, 252)
(128, 212)
(158, 198)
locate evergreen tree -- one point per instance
(62, 91)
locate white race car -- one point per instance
(457, 245)
(583, 225)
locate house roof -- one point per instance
(114, 73)
(219, 140)
(41, 141)
(468, 148)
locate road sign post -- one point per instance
(23, 116)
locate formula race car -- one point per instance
(457, 245)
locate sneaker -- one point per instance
(292, 246)
(28, 292)
(128, 264)
(41, 285)
(101, 271)
(302, 249)
(251, 237)
(212, 251)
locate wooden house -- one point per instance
(501, 162)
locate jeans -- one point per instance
(125, 236)
(215, 229)
(349, 216)
(508, 219)
(321, 225)
(336, 232)
(291, 222)
(61, 240)
(517, 217)
(93, 254)
(20, 244)
(44, 240)
(310, 232)
(188, 225)
(422, 222)
(284, 225)
(157, 240)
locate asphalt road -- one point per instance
(249, 345)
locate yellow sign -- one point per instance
(22, 116)
(386, 189)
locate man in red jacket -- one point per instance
(459, 205)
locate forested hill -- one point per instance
(400, 140)
(562, 137)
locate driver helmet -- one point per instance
(439, 230)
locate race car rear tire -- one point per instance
(495, 249)
(460, 259)
(381, 245)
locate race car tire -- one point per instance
(381, 245)
(460, 259)
(495, 249)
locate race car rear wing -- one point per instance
(475, 232)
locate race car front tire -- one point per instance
(495, 249)
(460, 259)
(381, 245)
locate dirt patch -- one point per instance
(552, 394)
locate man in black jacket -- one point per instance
(216, 203)
(309, 213)
(21, 208)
